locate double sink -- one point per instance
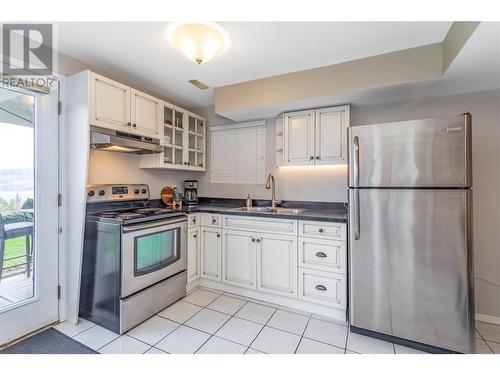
(270, 210)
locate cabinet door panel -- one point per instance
(145, 114)
(330, 124)
(238, 259)
(193, 265)
(299, 138)
(277, 264)
(109, 103)
(211, 254)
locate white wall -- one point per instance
(330, 183)
(112, 167)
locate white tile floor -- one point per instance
(207, 321)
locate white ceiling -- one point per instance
(140, 51)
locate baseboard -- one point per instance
(330, 312)
(488, 319)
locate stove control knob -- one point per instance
(136, 191)
(101, 192)
(91, 193)
(144, 191)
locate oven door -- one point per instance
(152, 252)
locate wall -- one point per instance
(330, 183)
(109, 167)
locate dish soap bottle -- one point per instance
(248, 201)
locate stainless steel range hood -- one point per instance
(111, 140)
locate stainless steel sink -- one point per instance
(270, 210)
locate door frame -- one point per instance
(20, 310)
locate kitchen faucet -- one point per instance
(271, 184)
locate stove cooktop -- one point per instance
(136, 215)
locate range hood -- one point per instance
(111, 140)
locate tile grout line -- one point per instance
(264, 326)
(302, 336)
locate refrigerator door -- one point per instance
(419, 153)
(411, 265)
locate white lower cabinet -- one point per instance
(277, 264)
(193, 254)
(238, 258)
(211, 253)
(302, 262)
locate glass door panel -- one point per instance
(155, 251)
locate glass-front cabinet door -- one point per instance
(196, 146)
(173, 136)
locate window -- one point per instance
(238, 153)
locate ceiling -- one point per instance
(140, 51)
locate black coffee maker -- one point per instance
(191, 192)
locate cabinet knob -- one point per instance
(194, 236)
(194, 220)
(321, 230)
(321, 254)
(258, 240)
(128, 123)
(134, 125)
(218, 234)
(214, 220)
(321, 288)
(311, 158)
(317, 157)
(253, 239)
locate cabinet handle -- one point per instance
(134, 125)
(321, 254)
(321, 230)
(253, 239)
(218, 234)
(258, 239)
(317, 157)
(311, 158)
(321, 288)
(128, 123)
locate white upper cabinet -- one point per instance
(299, 138)
(109, 103)
(145, 114)
(315, 137)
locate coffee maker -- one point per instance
(190, 192)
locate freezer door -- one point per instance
(411, 265)
(420, 153)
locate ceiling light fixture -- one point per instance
(200, 42)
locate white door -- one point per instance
(299, 138)
(145, 114)
(211, 253)
(193, 253)
(331, 143)
(29, 170)
(109, 104)
(277, 264)
(238, 259)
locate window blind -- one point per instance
(238, 153)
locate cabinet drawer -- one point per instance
(324, 288)
(194, 220)
(326, 255)
(322, 229)
(211, 220)
(260, 224)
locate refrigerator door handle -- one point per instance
(357, 230)
(355, 160)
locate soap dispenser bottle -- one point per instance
(248, 201)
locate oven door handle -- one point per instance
(132, 228)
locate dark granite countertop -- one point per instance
(324, 211)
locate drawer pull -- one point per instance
(321, 287)
(321, 254)
(321, 230)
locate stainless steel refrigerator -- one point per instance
(410, 233)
